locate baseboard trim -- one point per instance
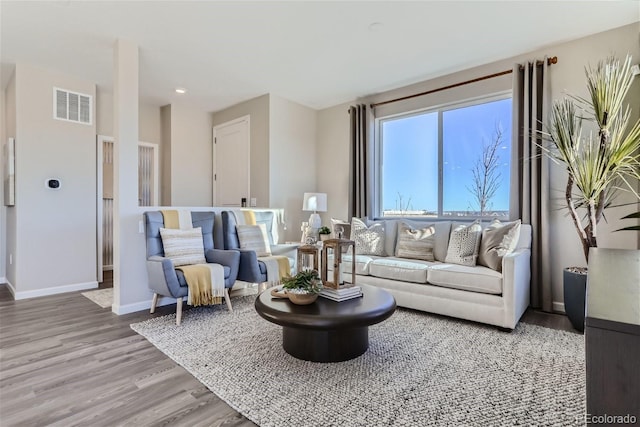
(11, 288)
(558, 307)
(52, 291)
(140, 306)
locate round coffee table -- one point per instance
(327, 331)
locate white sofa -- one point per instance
(475, 293)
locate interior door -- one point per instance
(231, 163)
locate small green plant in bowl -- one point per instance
(324, 230)
(304, 282)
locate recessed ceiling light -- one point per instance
(376, 26)
(181, 90)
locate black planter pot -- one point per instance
(575, 290)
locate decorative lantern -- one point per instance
(307, 258)
(332, 252)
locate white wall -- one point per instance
(566, 76)
(191, 156)
(149, 122)
(292, 160)
(56, 228)
(258, 110)
(332, 154)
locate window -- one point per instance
(448, 162)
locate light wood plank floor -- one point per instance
(64, 361)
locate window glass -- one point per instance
(471, 145)
(410, 165)
(476, 159)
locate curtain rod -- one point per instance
(552, 60)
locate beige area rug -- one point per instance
(102, 297)
(420, 370)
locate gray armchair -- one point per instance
(164, 279)
(253, 270)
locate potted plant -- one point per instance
(600, 163)
(324, 232)
(303, 288)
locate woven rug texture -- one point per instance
(420, 370)
(102, 297)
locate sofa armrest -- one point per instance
(162, 276)
(229, 258)
(516, 282)
(288, 249)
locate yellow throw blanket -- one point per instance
(205, 281)
(277, 267)
(177, 219)
(199, 278)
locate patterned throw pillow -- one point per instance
(254, 238)
(369, 240)
(416, 243)
(464, 244)
(498, 240)
(183, 247)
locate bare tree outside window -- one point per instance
(486, 176)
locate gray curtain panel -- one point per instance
(530, 172)
(360, 161)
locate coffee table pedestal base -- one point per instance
(325, 346)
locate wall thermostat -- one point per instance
(53, 183)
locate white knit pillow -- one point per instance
(183, 247)
(254, 238)
(464, 244)
(369, 240)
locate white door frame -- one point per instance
(246, 119)
(100, 140)
(99, 193)
(155, 201)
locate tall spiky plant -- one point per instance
(598, 166)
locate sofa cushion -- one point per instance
(369, 240)
(416, 243)
(498, 240)
(400, 269)
(254, 238)
(362, 263)
(475, 279)
(183, 247)
(464, 244)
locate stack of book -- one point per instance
(342, 294)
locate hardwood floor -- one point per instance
(64, 361)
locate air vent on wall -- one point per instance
(72, 106)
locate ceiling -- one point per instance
(318, 54)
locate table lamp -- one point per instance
(316, 202)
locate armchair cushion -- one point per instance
(183, 247)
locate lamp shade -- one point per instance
(316, 202)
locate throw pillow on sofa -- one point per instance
(369, 240)
(464, 244)
(416, 243)
(498, 240)
(346, 228)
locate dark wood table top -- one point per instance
(373, 307)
